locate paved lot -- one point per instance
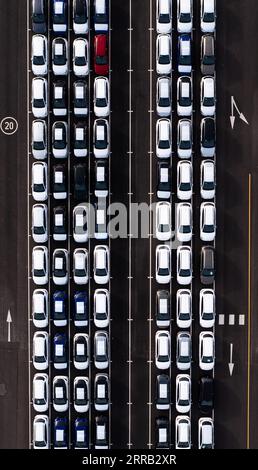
(236, 409)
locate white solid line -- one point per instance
(28, 230)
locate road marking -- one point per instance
(231, 319)
(221, 319)
(249, 309)
(241, 320)
(130, 235)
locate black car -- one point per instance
(80, 142)
(80, 100)
(59, 99)
(101, 178)
(80, 16)
(101, 432)
(163, 314)
(207, 265)
(162, 433)
(59, 188)
(80, 182)
(206, 394)
(207, 136)
(164, 180)
(163, 392)
(59, 224)
(38, 17)
(101, 392)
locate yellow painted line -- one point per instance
(249, 309)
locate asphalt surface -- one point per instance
(133, 384)
(13, 229)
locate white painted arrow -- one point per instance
(232, 116)
(231, 364)
(9, 321)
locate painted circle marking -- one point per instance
(9, 125)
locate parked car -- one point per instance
(39, 16)
(60, 393)
(80, 17)
(80, 143)
(101, 16)
(162, 350)
(60, 139)
(184, 16)
(184, 265)
(39, 184)
(184, 308)
(183, 393)
(164, 98)
(101, 54)
(101, 392)
(60, 267)
(80, 99)
(184, 96)
(207, 54)
(101, 350)
(39, 139)
(206, 350)
(39, 219)
(80, 266)
(162, 433)
(41, 432)
(39, 100)
(81, 351)
(101, 432)
(101, 97)
(59, 224)
(40, 350)
(163, 138)
(59, 100)
(81, 394)
(208, 137)
(164, 54)
(59, 308)
(39, 55)
(101, 267)
(80, 182)
(164, 180)
(101, 308)
(40, 265)
(80, 309)
(101, 138)
(183, 432)
(163, 264)
(163, 311)
(207, 221)
(208, 99)
(40, 311)
(59, 16)
(40, 395)
(207, 308)
(184, 54)
(184, 138)
(81, 434)
(60, 56)
(184, 180)
(60, 353)
(208, 16)
(206, 394)
(205, 433)
(163, 221)
(184, 351)
(164, 16)
(207, 269)
(60, 433)
(208, 179)
(163, 392)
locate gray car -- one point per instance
(207, 55)
(207, 265)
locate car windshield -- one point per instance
(38, 60)
(208, 272)
(164, 18)
(164, 59)
(184, 316)
(185, 144)
(209, 60)
(185, 229)
(38, 103)
(208, 17)
(40, 230)
(185, 18)
(208, 102)
(163, 271)
(164, 102)
(38, 188)
(100, 18)
(163, 228)
(59, 59)
(185, 59)
(38, 145)
(38, 18)
(80, 61)
(207, 316)
(184, 272)
(101, 60)
(209, 143)
(208, 228)
(185, 101)
(208, 185)
(101, 272)
(164, 144)
(101, 102)
(185, 186)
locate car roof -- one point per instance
(185, 6)
(100, 6)
(185, 255)
(163, 345)
(184, 388)
(185, 169)
(208, 170)
(164, 44)
(208, 302)
(185, 128)
(185, 44)
(38, 87)
(163, 256)
(164, 128)
(183, 430)
(208, 342)
(185, 302)
(209, 6)
(101, 84)
(209, 214)
(164, 87)
(209, 87)
(164, 6)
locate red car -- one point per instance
(101, 65)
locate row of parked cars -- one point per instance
(184, 218)
(56, 97)
(45, 433)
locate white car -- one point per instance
(101, 350)
(163, 264)
(163, 221)
(164, 54)
(101, 97)
(206, 350)
(81, 394)
(208, 16)
(39, 97)
(39, 55)
(164, 16)
(41, 432)
(207, 309)
(183, 432)
(184, 16)
(60, 393)
(80, 57)
(39, 139)
(60, 56)
(208, 179)
(184, 138)
(164, 98)
(183, 393)
(100, 232)
(184, 308)
(205, 433)
(208, 99)
(101, 392)
(80, 266)
(101, 138)
(183, 351)
(184, 180)
(40, 265)
(80, 224)
(40, 395)
(101, 308)
(39, 219)
(163, 138)
(81, 351)
(40, 308)
(184, 96)
(184, 222)
(40, 350)
(60, 139)
(80, 17)
(207, 221)
(101, 263)
(39, 181)
(60, 267)
(162, 350)
(184, 265)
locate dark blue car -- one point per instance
(60, 433)
(81, 433)
(59, 16)
(60, 354)
(59, 308)
(80, 313)
(38, 16)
